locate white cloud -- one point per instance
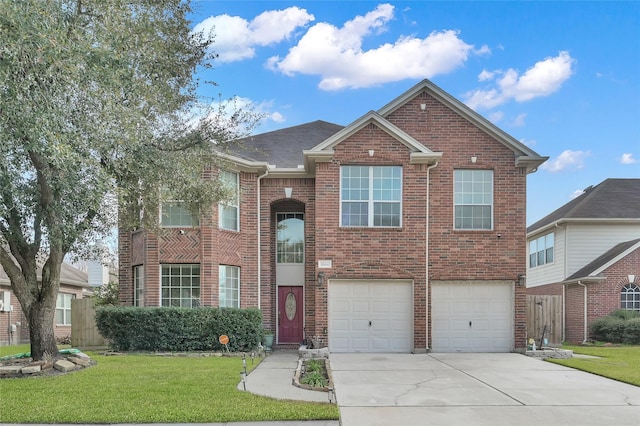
(543, 79)
(496, 116)
(336, 54)
(519, 120)
(627, 158)
(277, 117)
(567, 160)
(529, 142)
(235, 38)
(576, 193)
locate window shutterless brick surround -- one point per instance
(426, 247)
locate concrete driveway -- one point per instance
(475, 389)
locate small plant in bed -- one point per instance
(315, 373)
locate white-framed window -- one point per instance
(290, 238)
(473, 199)
(541, 250)
(371, 196)
(229, 212)
(138, 286)
(180, 285)
(176, 214)
(63, 308)
(630, 297)
(229, 291)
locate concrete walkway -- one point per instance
(476, 389)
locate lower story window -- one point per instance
(229, 294)
(63, 308)
(630, 297)
(180, 285)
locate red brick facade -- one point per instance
(426, 247)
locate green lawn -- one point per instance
(147, 389)
(616, 362)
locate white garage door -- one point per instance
(370, 316)
(472, 316)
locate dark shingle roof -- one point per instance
(608, 256)
(69, 275)
(610, 199)
(283, 148)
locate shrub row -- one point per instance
(179, 329)
(621, 326)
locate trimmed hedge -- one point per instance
(179, 329)
(621, 326)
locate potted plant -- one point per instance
(267, 339)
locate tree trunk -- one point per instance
(41, 319)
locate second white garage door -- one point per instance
(370, 316)
(472, 316)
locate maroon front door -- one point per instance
(290, 314)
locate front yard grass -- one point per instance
(621, 363)
(148, 389)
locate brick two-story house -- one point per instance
(402, 232)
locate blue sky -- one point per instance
(562, 77)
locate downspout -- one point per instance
(564, 313)
(426, 258)
(584, 340)
(259, 239)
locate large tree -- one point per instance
(98, 104)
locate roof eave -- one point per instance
(531, 164)
(583, 280)
(589, 220)
(429, 158)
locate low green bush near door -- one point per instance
(615, 362)
(148, 389)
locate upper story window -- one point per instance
(229, 212)
(630, 297)
(541, 250)
(180, 285)
(371, 196)
(63, 308)
(473, 199)
(176, 214)
(229, 290)
(290, 238)
(138, 286)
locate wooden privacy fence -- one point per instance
(544, 311)
(84, 333)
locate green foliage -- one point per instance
(107, 294)
(179, 329)
(315, 379)
(313, 365)
(621, 326)
(98, 106)
(139, 389)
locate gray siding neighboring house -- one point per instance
(567, 250)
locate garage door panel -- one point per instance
(472, 316)
(379, 315)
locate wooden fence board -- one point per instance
(544, 310)
(84, 333)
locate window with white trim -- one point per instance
(630, 297)
(180, 285)
(138, 286)
(473, 199)
(229, 211)
(63, 308)
(371, 196)
(229, 291)
(176, 214)
(541, 250)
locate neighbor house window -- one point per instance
(229, 294)
(473, 199)
(180, 285)
(371, 196)
(541, 250)
(230, 210)
(176, 214)
(63, 308)
(138, 286)
(630, 297)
